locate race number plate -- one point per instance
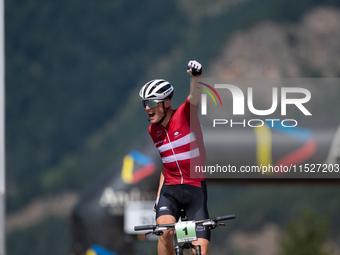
(186, 231)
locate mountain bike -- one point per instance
(185, 231)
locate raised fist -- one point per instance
(194, 68)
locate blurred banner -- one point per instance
(298, 130)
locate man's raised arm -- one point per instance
(195, 70)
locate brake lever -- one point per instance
(217, 225)
(148, 233)
(213, 226)
(158, 233)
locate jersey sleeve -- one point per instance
(190, 110)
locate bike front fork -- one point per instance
(179, 249)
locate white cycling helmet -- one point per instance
(158, 89)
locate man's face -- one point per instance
(154, 110)
(156, 113)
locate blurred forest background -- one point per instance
(73, 72)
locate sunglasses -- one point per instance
(152, 103)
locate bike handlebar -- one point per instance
(167, 226)
(216, 219)
(226, 217)
(153, 227)
(145, 227)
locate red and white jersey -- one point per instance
(180, 144)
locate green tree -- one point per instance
(305, 236)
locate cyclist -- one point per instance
(178, 136)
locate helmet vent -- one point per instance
(163, 89)
(151, 89)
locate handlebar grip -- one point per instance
(145, 227)
(226, 217)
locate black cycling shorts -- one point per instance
(192, 199)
